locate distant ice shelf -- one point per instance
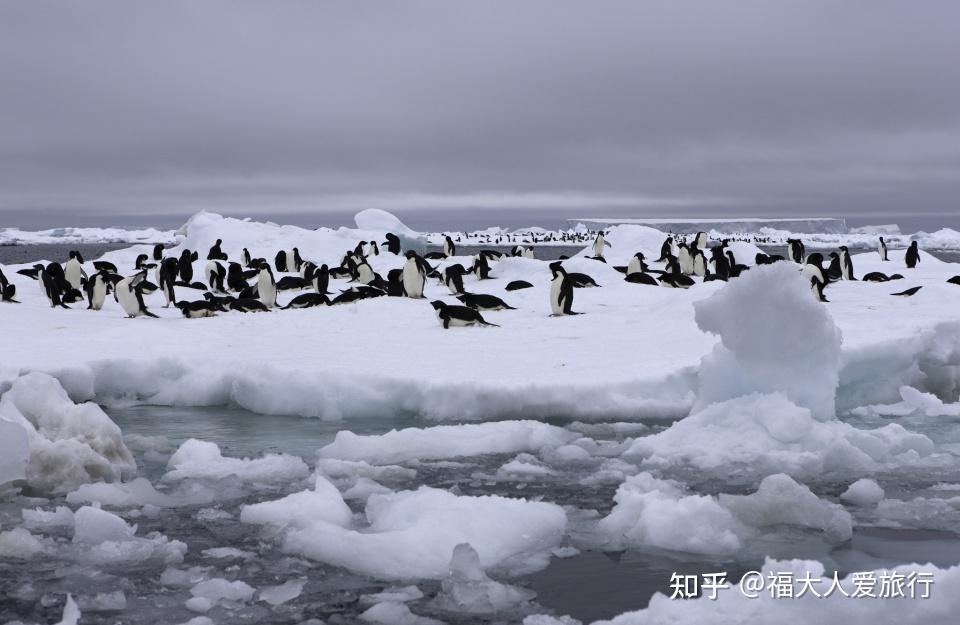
(729, 225)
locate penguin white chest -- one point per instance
(634, 266)
(412, 279)
(73, 273)
(127, 298)
(266, 289)
(556, 286)
(98, 294)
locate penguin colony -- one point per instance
(250, 285)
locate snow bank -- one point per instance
(69, 444)
(202, 460)
(446, 441)
(774, 338)
(627, 240)
(651, 512)
(15, 236)
(412, 534)
(765, 433)
(733, 607)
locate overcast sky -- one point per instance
(848, 107)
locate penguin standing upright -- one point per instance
(882, 249)
(97, 288)
(561, 291)
(834, 271)
(913, 255)
(267, 286)
(481, 268)
(245, 257)
(666, 250)
(365, 273)
(215, 275)
(215, 253)
(448, 247)
(128, 295)
(813, 271)
(392, 243)
(372, 249)
(599, 243)
(701, 240)
(846, 264)
(49, 286)
(414, 276)
(321, 280)
(721, 266)
(73, 271)
(795, 250)
(453, 279)
(685, 260)
(168, 276)
(185, 265)
(699, 261)
(158, 252)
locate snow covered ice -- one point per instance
(359, 463)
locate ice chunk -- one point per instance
(395, 613)
(202, 459)
(322, 504)
(228, 553)
(19, 543)
(863, 492)
(394, 593)
(468, 589)
(14, 452)
(219, 589)
(287, 591)
(774, 337)
(446, 441)
(93, 526)
(138, 492)
(363, 488)
(781, 500)
(69, 444)
(103, 602)
(412, 534)
(658, 513)
(767, 433)
(62, 516)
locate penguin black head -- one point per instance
(816, 258)
(438, 304)
(410, 254)
(76, 254)
(557, 268)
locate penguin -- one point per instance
(73, 272)
(266, 286)
(307, 300)
(158, 252)
(636, 264)
(97, 287)
(676, 281)
(292, 283)
(876, 276)
(372, 249)
(199, 309)
(846, 264)
(813, 271)
(247, 305)
(685, 259)
(517, 285)
(598, 244)
(280, 261)
(245, 257)
(103, 265)
(482, 301)
(48, 286)
(795, 250)
(882, 249)
(639, 277)
(480, 267)
(185, 266)
(582, 281)
(321, 280)
(294, 254)
(215, 252)
(458, 316)
(355, 294)
(392, 243)
(701, 240)
(236, 281)
(912, 256)
(365, 273)
(908, 292)
(453, 279)
(128, 295)
(414, 276)
(721, 265)
(221, 300)
(561, 291)
(834, 271)
(666, 250)
(448, 247)
(7, 291)
(699, 262)
(954, 280)
(215, 275)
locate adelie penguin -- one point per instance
(392, 243)
(912, 256)
(168, 277)
(49, 286)
(561, 291)
(666, 250)
(7, 291)
(307, 300)
(517, 285)
(215, 275)
(448, 247)
(685, 259)
(882, 249)
(483, 301)
(185, 266)
(321, 280)
(73, 271)
(414, 275)
(128, 295)
(267, 286)
(795, 250)
(908, 292)
(636, 264)
(481, 267)
(458, 316)
(813, 271)
(158, 252)
(97, 288)
(846, 264)
(598, 244)
(877, 276)
(453, 279)
(215, 252)
(199, 309)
